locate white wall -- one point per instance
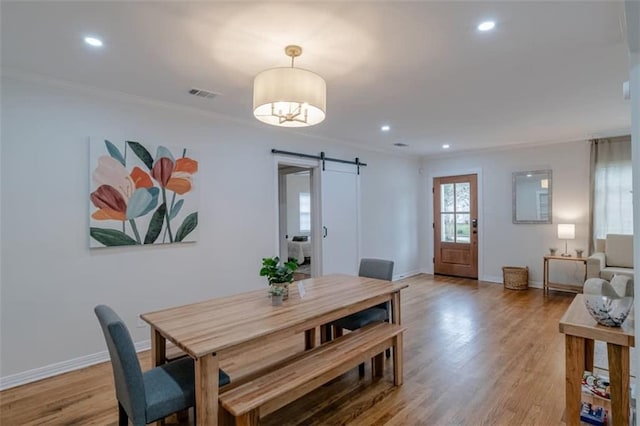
(51, 280)
(502, 243)
(392, 185)
(296, 184)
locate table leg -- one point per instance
(206, 375)
(395, 308)
(619, 380)
(545, 277)
(589, 349)
(574, 368)
(158, 348)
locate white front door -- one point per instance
(340, 218)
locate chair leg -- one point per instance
(388, 352)
(183, 417)
(123, 419)
(377, 366)
(361, 369)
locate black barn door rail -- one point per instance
(322, 157)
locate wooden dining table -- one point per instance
(210, 330)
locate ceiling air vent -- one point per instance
(400, 144)
(203, 93)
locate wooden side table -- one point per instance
(580, 331)
(577, 288)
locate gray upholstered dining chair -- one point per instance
(371, 268)
(152, 395)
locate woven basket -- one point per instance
(515, 277)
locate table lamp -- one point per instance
(566, 231)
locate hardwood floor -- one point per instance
(474, 354)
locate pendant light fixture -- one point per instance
(289, 97)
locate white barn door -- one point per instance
(340, 191)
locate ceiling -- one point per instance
(549, 72)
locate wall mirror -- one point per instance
(532, 196)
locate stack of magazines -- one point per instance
(596, 399)
(596, 385)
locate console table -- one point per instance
(580, 331)
(562, 286)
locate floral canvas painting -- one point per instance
(141, 194)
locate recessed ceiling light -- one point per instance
(93, 41)
(486, 26)
(385, 128)
(446, 146)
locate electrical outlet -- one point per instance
(141, 323)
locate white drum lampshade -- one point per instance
(566, 231)
(289, 97)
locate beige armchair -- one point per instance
(613, 256)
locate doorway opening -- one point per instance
(297, 216)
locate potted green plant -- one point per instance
(277, 294)
(279, 274)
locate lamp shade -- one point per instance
(289, 97)
(566, 231)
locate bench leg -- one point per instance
(361, 370)
(377, 365)
(224, 417)
(252, 418)
(337, 331)
(398, 368)
(310, 339)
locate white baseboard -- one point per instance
(535, 284)
(51, 370)
(406, 275)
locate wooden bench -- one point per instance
(246, 362)
(312, 369)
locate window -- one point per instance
(305, 212)
(455, 215)
(613, 200)
(612, 187)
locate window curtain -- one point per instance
(611, 201)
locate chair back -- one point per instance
(376, 268)
(127, 373)
(619, 250)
